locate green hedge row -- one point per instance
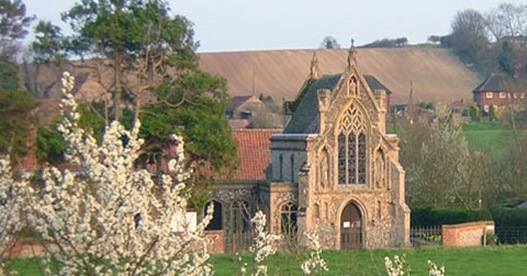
(509, 217)
(422, 217)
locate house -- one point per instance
(333, 170)
(500, 91)
(243, 107)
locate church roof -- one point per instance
(306, 117)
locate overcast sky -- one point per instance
(239, 25)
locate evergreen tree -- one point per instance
(150, 66)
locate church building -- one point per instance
(333, 169)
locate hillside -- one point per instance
(436, 74)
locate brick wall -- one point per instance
(217, 238)
(466, 234)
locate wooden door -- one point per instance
(351, 228)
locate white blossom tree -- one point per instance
(110, 218)
(10, 206)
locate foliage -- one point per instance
(329, 42)
(434, 157)
(387, 43)
(15, 104)
(398, 269)
(13, 26)
(427, 216)
(492, 113)
(433, 270)
(16, 123)
(145, 58)
(314, 264)
(474, 112)
(134, 38)
(11, 220)
(113, 219)
(264, 244)
(509, 216)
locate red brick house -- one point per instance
(500, 91)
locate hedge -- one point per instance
(509, 217)
(422, 217)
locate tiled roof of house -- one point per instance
(254, 152)
(238, 101)
(239, 123)
(501, 83)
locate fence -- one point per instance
(425, 236)
(238, 242)
(511, 235)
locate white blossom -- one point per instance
(434, 271)
(315, 263)
(11, 220)
(263, 245)
(398, 269)
(112, 219)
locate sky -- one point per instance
(244, 25)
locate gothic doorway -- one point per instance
(351, 227)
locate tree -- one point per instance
(13, 26)
(507, 19)
(469, 35)
(47, 53)
(11, 220)
(434, 158)
(507, 58)
(474, 112)
(145, 59)
(15, 104)
(329, 42)
(492, 113)
(113, 219)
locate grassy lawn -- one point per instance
(487, 137)
(499, 260)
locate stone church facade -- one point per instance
(333, 170)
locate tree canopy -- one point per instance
(144, 57)
(15, 103)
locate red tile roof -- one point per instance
(254, 152)
(239, 123)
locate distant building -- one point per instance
(244, 107)
(500, 91)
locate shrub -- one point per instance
(435, 217)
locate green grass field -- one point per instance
(499, 260)
(487, 137)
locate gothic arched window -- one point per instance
(352, 144)
(323, 168)
(288, 219)
(240, 217)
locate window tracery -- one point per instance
(288, 213)
(352, 148)
(240, 217)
